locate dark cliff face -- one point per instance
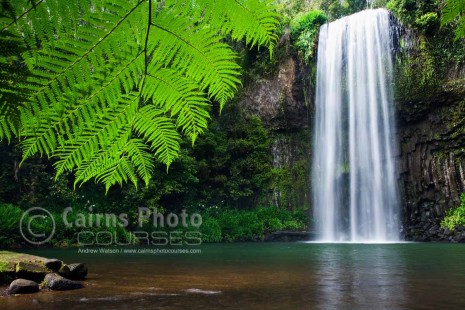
(430, 106)
(280, 100)
(431, 163)
(283, 102)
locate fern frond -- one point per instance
(160, 132)
(118, 164)
(114, 122)
(118, 172)
(12, 73)
(454, 11)
(141, 157)
(256, 21)
(93, 73)
(76, 110)
(196, 51)
(104, 161)
(179, 96)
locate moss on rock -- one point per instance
(19, 265)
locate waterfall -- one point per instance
(354, 185)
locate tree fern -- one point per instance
(107, 87)
(454, 12)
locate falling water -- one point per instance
(355, 192)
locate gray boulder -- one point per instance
(56, 282)
(74, 271)
(22, 286)
(53, 264)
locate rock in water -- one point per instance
(74, 271)
(35, 271)
(53, 264)
(22, 286)
(56, 282)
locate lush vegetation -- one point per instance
(427, 16)
(250, 225)
(129, 91)
(229, 170)
(231, 165)
(453, 13)
(219, 225)
(107, 88)
(455, 217)
(304, 30)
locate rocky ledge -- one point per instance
(30, 274)
(433, 232)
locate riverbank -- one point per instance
(22, 273)
(214, 224)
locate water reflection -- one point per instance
(266, 276)
(362, 276)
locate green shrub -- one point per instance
(427, 22)
(211, 230)
(455, 217)
(304, 29)
(421, 15)
(67, 236)
(232, 225)
(10, 217)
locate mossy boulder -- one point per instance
(19, 265)
(34, 270)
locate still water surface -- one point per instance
(265, 276)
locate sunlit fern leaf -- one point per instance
(196, 51)
(103, 71)
(121, 171)
(104, 160)
(178, 95)
(160, 132)
(99, 134)
(252, 20)
(141, 157)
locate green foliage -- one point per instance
(290, 8)
(234, 161)
(453, 13)
(11, 73)
(427, 22)
(335, 9)
(249, 225)
(112, 83)
(69, 236)
(211, 230)
(9, 225)
(231, 165)
(455, 217)
(424, 68)
(64, 236)
(421, 15)
(304, 29)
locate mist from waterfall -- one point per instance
(355, 194)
